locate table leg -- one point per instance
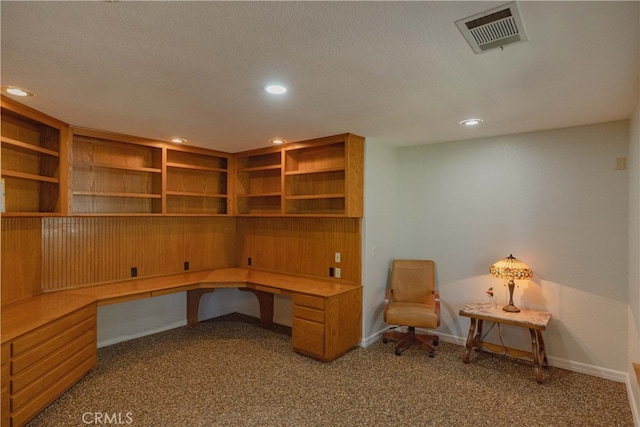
(539, 356)
(470, 340)
(265, 299)
(193, 304)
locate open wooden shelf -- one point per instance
(50, 168)
(33, 161)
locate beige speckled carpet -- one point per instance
(229, 372)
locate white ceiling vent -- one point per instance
(494, 28)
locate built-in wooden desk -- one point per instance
(49, 341)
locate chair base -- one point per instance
(404, 340)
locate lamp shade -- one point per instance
(511, 268)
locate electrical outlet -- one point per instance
(186, 265)
(330, 271)
(337, 257)
(338, 273)
(134, 271)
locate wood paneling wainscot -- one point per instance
(82, 251)
(303, 246)
(21, 258)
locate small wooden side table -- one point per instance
(535, 321)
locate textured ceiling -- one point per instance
(395, 72)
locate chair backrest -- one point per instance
(413, 280)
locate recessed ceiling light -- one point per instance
(471, 122)
(277, 141)
(17, 91)
(275, 89)
(178, 140)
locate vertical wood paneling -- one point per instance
(301, 245)
(21, 258)
(81, 251)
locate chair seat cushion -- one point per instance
(412, 314)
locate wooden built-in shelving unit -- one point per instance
(321, 177)
(33, 157)
(85, 208)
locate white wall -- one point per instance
(634, 260)
(133, 319)
(378, 230)
(551, 198)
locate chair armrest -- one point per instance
(387, 301)
(437, 295)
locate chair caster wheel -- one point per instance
(432, 354)
(398, 352)
(384, 340)
(436, 342)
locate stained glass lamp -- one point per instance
(512, 269)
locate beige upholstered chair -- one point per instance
(413, 302)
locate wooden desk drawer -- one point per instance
(309, 301)
(25, 342)
(4, 407)
(6, 353)
(28, 386)
(86, 340)
(308, 337)
(308, 313)
(45, 348)
(35, 405)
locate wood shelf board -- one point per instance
(114, 194)
(195, 167)
(30, 176)
(194, 194)
(29, 147)
(85, 165)
(260, 168)
(274, 194)
(315, 196)
(310, 171)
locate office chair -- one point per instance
(413, 302)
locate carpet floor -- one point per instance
(230, 372)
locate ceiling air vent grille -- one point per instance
(494, 28)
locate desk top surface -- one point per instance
(25, 315)
(532, 319)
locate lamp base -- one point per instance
(511, 308)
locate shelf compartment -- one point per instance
(95, 180)
(322, 182)
(108, 153)
(29, 195)
(196, 181)
(257, 162)
(188, 160)
(315, 206)
(259, 181)
(266, 204)
(113, 203)
(315, 158)
(196, 204)
(30, 163)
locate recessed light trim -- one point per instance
(277, 141)
(471, 122)
(276, 89)
(178, 140)
(17, 91)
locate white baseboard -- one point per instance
(140, 334)
(557, 362)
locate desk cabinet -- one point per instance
(325, 328)
(45, 362)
